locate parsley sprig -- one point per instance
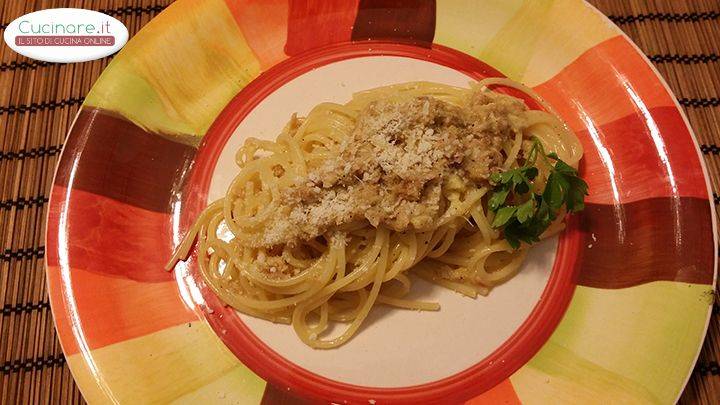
(521, 213)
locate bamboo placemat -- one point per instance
(39, 100)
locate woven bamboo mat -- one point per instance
(39, 100)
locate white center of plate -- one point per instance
(393, 348)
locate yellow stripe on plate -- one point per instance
(635, 345)
(510, 50)
(528, 41)
(469, 25)
(184, 363)
(179, 71)
(569, 29)
(238, 386)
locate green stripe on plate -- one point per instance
(635, 344)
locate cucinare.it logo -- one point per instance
(66, 35)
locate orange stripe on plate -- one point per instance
(316, 23)
(264, 24)
(641, 156)
(101, 310)
(60, 311)
(607, 82)
(503, 393)
(109, 237)
(105, 270)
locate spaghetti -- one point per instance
(336, 214)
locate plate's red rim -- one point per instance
(254, 353)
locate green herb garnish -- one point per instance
(521, 213)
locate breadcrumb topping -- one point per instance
(395, 167)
